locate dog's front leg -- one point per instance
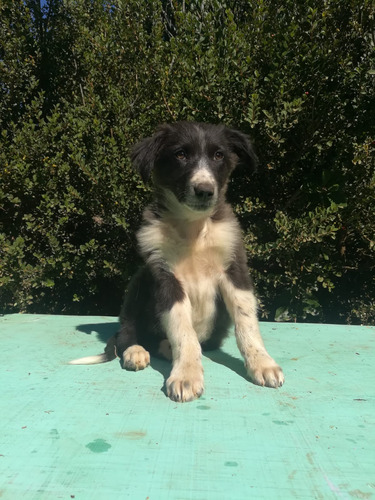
(186, 379)
(241, 305)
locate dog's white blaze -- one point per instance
(203, 174)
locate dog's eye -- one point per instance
(181, 155)
(218, 155)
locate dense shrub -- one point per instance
(81, 82)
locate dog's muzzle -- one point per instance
(204, 192)
(202, 196)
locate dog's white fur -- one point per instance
(198, 253)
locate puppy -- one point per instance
(195, 282)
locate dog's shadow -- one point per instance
(218, 356)
(105, 331)
(223, 358)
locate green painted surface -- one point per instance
(98, 432)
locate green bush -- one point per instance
(81, 82)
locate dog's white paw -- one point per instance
(185, 384)
(265, 371)
(135, 358)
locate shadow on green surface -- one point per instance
(105, 330)
(164, 368)
(225, 359)
(220, 357)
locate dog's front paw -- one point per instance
(135, 358)
(185, 384)
(265, 371)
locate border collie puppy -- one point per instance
(195, 282)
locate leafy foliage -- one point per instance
(81, 82)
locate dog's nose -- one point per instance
(204, 191)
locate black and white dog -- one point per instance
(195, 283)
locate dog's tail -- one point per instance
(109, 354)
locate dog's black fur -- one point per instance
(195, 281)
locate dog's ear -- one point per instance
(242, 147)
(145, 153)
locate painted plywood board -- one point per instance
(98, 432)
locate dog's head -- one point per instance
(191, 163)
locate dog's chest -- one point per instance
(198, 258)
(197, 254)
